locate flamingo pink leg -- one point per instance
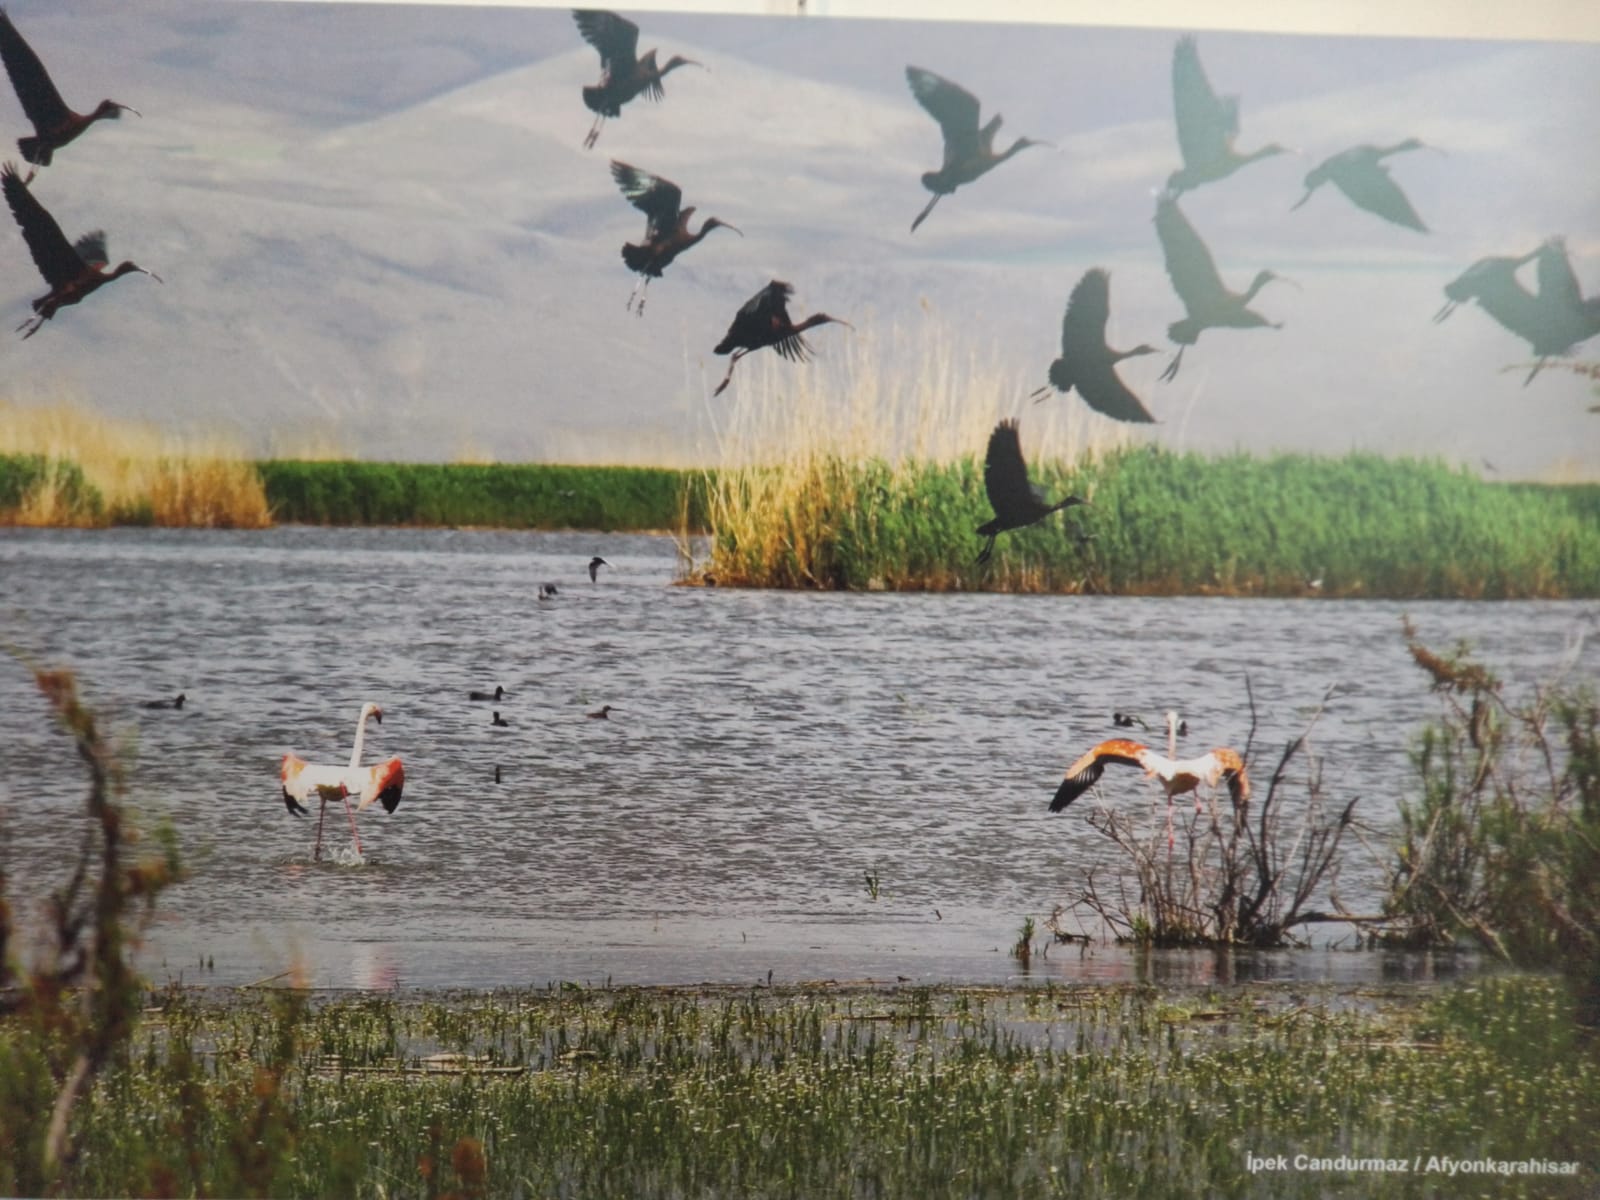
(316, 855)
(352, 818)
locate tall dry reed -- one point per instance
(800, 446)
(141, 474)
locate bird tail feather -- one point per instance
(33, 151)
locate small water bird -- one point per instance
(602, 713)
(624, 74)
(1016, 501)
(1128, 720)
(968, 150)
(595, 564)
(498, 693)
(764, 321)
(54, 124)
(666, 232)
(175, 702)
(499, 722)
(1208, 303)
(1360, 174)
(1207, 124)
(72, 269)
(1177, 776)
(547, 591)
(383, 782)
(1086, 362)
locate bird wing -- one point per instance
(616, 38)
(1083, 325)
(57, 261)
(1207, 123)
(950, 104)
(659, 199)
(1085, 773)
(1005, 474)
(1233, 773)
(91, 247)
(757, 316)
(1189, 263)
(1558, 283)
(1369, 186)
(1102, 389)
(382, 783)
(37, 94)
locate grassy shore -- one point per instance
(826, 1091)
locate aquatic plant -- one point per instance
(1501, 847)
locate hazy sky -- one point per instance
(380, 232)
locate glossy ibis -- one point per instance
(764, 321)
(968, 150)
(54, 124)
(595, 564)
(382, 783)
(623, 74)
(1016, 501)
(1207, 302)
(1360, 174)
(72, 269)
(666, 233)
(1553, 320)
(1086, 362)
(1207, 124)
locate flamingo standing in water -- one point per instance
(1178, 776)
(382, 782)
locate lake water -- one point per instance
(768, 751)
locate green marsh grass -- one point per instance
(847, 478)
(1049, 1091)
(500, 495)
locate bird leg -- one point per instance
(594, 133)
(1537, 367)
(988, 549)
(316, 855)
(1171, 372)
(638, 291)
(31, 325)
(732, 362)
(345, 796)
(923, 215)
(1040, 394)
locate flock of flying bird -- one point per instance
(1553, 319)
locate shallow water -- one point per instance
(768, 751)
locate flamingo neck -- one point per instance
(361, 737)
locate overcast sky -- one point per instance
(379, 230)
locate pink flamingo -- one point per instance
(382, 782)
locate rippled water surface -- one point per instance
(768, 750)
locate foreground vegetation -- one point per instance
(1046, 1091)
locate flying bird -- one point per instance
(383, 782)
(1208, 303)
(1177, 776)
(72, 269)
(595, 564)
(1016, 501)
(764, 321)
(175, 702)
(1553, 320)
(1360, 174)
(623, 74)
(666, 233)
(54, 124)
(968, 150)
(1086, 362)
(1207, 125)
(494, 695)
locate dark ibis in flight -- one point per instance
(1086, 362)
(623, 73)
(764, 321)
(1360, 174)
(54, 124)
(666, 233)
(1207, 124)
(1017, 502)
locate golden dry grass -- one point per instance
(142, 474)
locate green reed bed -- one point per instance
(822, 1092)
(1160, 524)
(501, 495)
